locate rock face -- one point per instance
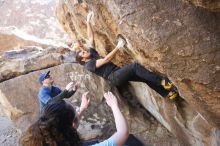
(8, 130)
(18, 62)
(24, 111)
(18, 97)
(213, 5)
(171, 37)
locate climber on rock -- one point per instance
(103, 67)
(48, 91)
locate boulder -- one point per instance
(22, 105)
(170, 37)
(19, 101)
(17, 62)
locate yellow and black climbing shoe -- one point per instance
(172, 95)
(167, 84)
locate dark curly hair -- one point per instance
(53, 128)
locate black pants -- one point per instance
(136, 72)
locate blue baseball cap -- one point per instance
(43, 76)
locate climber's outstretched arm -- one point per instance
(90, 33)
(121, 135)
(107, 58)
(84, 105)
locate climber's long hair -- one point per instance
(53, 128)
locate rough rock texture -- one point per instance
(18, 96)
(22, 106)
(9, 135)
(28, 59)
(213, 5)
(176, 39)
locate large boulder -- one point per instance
(170, 37)
(22, 105)
(19, 101)
(17, 62)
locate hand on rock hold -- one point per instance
(111, 100)
(90, 17)
(85, 101)
(121, 43)
(76, 86)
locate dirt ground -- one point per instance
(9, 135)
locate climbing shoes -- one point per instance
(172, 95)
(168, 85)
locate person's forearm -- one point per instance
(120, 122)
(77, 119)
(90, 33)
(60, 96)
(70, 93)
(106, 59)
(80, 112)
(111, 54)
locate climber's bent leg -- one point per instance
(130, 71)
(122, 75)
(136, 72)
(146, 75)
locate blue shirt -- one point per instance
(46, 93)
(107, 142)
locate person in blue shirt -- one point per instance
(48, 91)
(57, 126)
